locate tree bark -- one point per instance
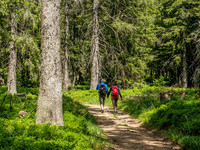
(185, 81)
(95, 47)
(12, 81)
(49, 107)
(66, 70)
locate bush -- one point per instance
(160, 82)
(80, 130)
(180, 117)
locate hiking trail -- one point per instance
(126, 133)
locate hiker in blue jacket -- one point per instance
(103, 90)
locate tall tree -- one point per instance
(12, 81)
(65, 63)
(176, 23)
(95, 46)
(185, 73)
(25, 44)
(49, 107)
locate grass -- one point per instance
(179, 118)
(115, 115)
(124, 125)
(79, 132)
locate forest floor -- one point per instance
(126, 133)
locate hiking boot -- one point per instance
(102, 111)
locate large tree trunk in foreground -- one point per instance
(65, 69)
(12, 81)
(49, 107)
(95, 47)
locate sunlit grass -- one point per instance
(180, 118)
(79, 132)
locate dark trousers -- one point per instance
(114, 102)
(102, 99)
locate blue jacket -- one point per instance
(98, 87)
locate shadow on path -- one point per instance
(127, 133)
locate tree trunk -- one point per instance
(12, 81)
(185, 81)
(49, 107)
(65, 71)
(95, 47)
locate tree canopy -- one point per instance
(139, 41)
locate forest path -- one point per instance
(126, 133)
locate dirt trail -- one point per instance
(126, 133)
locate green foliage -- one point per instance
(139, 40)
(160, 82)
(27, 42)
(175, 23)
(190, 142)
(179, 117)
(84, 96)
(79, 132)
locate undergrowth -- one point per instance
(179, 118)
(79, 132)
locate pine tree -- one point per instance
(12, 79)
(49, 107)
(65, 63)
(95, 46)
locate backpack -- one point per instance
(114, 91)
(102, 89)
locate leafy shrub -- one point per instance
(180, 117)
(160, 82)
(80, 130)
(190, 142)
